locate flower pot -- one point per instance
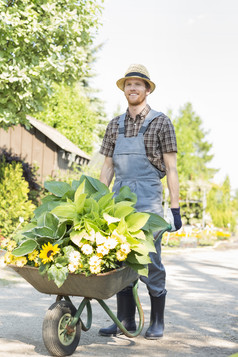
(100, 286)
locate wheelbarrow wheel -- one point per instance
(59, 340)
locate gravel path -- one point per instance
(201, 311)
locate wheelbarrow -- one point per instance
(62, 324)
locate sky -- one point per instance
(190, 48)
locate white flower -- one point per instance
(87, 249)
(120, 255)
(94, 260)
(125, 248)
(102, 250)
(119, 237)
(74, 257)
(111, 243)
(72, 267)
(21, 219)
(95, 269)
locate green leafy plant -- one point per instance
(14, 201)
(82, 228)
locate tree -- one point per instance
(72, 113)
(221, 206)
(42, 42)
(193, 148)
(193, 159)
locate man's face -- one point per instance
(135, 91)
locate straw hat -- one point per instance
(136, 71)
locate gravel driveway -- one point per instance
(201, 311)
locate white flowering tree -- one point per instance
(42, 42)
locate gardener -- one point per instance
(140, 148)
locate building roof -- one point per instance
(58, 138)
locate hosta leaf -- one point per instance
(105, 201)
(136, 221)
(122, 226)
(50, 220)
(80, 202)
(25, 248)
(123, 211)
(110, 219)
(125, 194)
(91, 206)
(67, 210)
(58, 274)
(76, 236)
(155, 223)
(46, 207)
(44, 232)
(58, 188)
(139, 268)
(29, 234)
(135, 258)
(60, 231)
(79, 191)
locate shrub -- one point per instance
(14, 202)
(29, 173)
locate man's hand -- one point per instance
(174, 218)
(177, 218)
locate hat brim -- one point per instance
(121, 82)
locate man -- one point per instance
(140, 148)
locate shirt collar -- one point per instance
(142, 114)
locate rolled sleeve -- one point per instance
(108, 143)
(168, 137)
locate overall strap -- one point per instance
(150, 116)
(121, 123)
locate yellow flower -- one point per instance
(8, 258)
(48, 251)
(121, 256)
(125, 248)
(87, 249)
(33, 255)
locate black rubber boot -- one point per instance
(156, 328)
(126, 309)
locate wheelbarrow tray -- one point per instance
(100, 286)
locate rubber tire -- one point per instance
(57, 313)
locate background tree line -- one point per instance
(46, 55)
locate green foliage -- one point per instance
(72, 216)
(221, 207)
(72, 114)
(193, 149)
(14, 202)
(42, 42)
(29, 174)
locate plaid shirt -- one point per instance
(159, 137)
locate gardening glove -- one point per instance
(173, 217)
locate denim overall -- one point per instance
(133, 168)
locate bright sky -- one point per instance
(190, 48)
